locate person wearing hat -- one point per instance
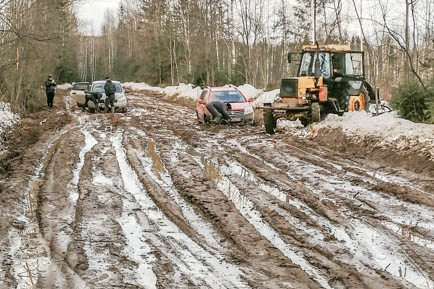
(109, 89)
(50, 88)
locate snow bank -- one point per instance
(64, 86)
(386, 131)
(249, 91)
(8, 119)
(183, 91)
(140, 86)
(266, 97)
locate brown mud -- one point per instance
(151, 199)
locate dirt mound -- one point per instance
(386, 138)
(374, 149)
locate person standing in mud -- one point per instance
(50, 89)
(110, 90)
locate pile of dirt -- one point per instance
(373, 148)
(386, 138)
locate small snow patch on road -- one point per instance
(90, 142)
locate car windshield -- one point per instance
(227, 96)
(80, 86)
(99, 87)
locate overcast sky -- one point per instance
(92, 12)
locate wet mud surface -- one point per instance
(151, 199)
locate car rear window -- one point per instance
(99, 87)
(79, 86)
(227, 96)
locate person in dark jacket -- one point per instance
(218, 111)
(94, 97)
(50, 88)
(110, 89)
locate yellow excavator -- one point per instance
(331, 79)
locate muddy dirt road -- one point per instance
(151, 199)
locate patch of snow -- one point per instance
(8, 119)
(249, 91)
(140, 86)
(390, 131)
(266, 97)
(64, 86)
(90, 142)
(183, 91)
(285, 124)
(100, 179)
(387, 255)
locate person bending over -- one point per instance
(218, 111)
(94, 97)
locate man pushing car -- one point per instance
(94, 97)
(110, 90)
(219, 112)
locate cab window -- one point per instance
(338, 63)
(307, 66)
(354, 64)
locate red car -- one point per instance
(238, 106)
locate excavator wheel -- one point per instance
(316, 112)
(269, 121)
(358, 102)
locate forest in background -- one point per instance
(206, 42)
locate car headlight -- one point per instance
(248, 110)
